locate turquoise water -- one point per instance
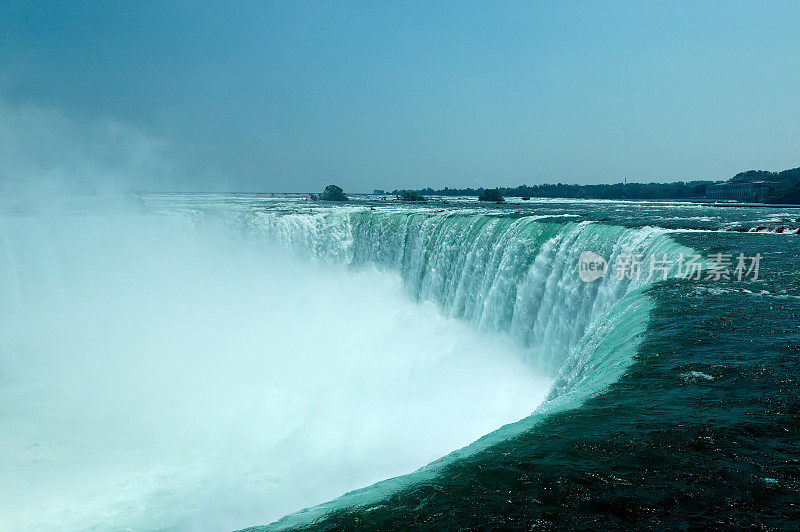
(700, 431)
(503, 390)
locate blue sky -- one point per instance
(291, 96)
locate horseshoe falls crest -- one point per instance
(515, 276)
(511, 276)
(175, 365)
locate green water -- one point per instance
(225, 360)
(700, 430)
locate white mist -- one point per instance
(153, 376)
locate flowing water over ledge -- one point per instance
(227, 360)
(515, 276)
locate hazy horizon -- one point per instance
(290, 97)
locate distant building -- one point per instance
(743, 191)
(378, 191)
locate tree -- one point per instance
(333, 193)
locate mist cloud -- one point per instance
(43, 151)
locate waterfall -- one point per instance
(513, 275)
(166, 354)
(510, 275)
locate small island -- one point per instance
(491, 194)
(331, 193)
(411, 195)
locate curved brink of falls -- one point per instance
(516, 276)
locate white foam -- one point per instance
(154, 377)
(693, 376)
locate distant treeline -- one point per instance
(679, 190)
(792, 176)
(787, 189)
